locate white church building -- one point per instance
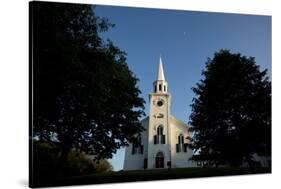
(163, 143)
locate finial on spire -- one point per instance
(160, 71)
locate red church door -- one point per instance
(159, 160)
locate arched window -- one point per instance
(160, 87)
(164, 88)
(160, 130)
(137, 147)
(180, 139)
(181, 146)
(159, 138)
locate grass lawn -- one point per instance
(147, 175)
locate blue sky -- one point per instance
(185, 40)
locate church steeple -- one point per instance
(160, 75)
(160, 85)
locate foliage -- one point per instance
(84, 95)
(103, 166)
(231, 110)
(46, 156)
(80, 164)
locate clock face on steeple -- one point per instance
(160, 102)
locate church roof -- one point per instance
(178, 122)
(160, 75)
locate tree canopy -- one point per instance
(84, 95)
(231, 110)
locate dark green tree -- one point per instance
(231, 111)
(84, 95)
(46, 157)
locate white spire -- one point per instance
(160, 71)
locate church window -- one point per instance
(185, 147)
(160, 130)
(180, 139)
(164, 88)
(155, 137)
(133, 149)
(181, 146)
(160, 137)
(155, 88)
(145, 163)
(160, 87)
(137, 147)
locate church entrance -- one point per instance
(159, 160)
